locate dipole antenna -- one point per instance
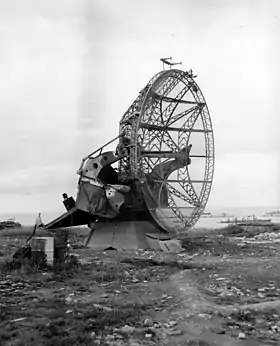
(166, 61)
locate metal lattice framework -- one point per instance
(169, 114)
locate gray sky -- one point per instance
(70, 69)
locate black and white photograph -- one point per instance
(140, 172)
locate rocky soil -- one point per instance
(222, 290)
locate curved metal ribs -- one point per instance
(151, 131)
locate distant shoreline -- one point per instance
(28, 219)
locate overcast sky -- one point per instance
(70, 69)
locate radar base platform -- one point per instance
(130, 235)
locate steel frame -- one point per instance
(147, 125)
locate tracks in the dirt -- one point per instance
(229, 319)
(142, 278)
(197, 302)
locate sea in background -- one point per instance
(28, 219)
(234, 212)
(203, 222)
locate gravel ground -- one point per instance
(220, 291)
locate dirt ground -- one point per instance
(219, 291)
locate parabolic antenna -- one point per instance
(161, 168)
(172, 149)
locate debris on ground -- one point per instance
(215, 293)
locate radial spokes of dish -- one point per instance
(170, 122)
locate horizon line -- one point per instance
(214, 207)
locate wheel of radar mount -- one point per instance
(170, 115)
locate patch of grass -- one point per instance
(48, 320)
(216, 246)
(258, 324)
(98, 319)
(247, 231)
(172, 264)
(16, 232)
(86, 319)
